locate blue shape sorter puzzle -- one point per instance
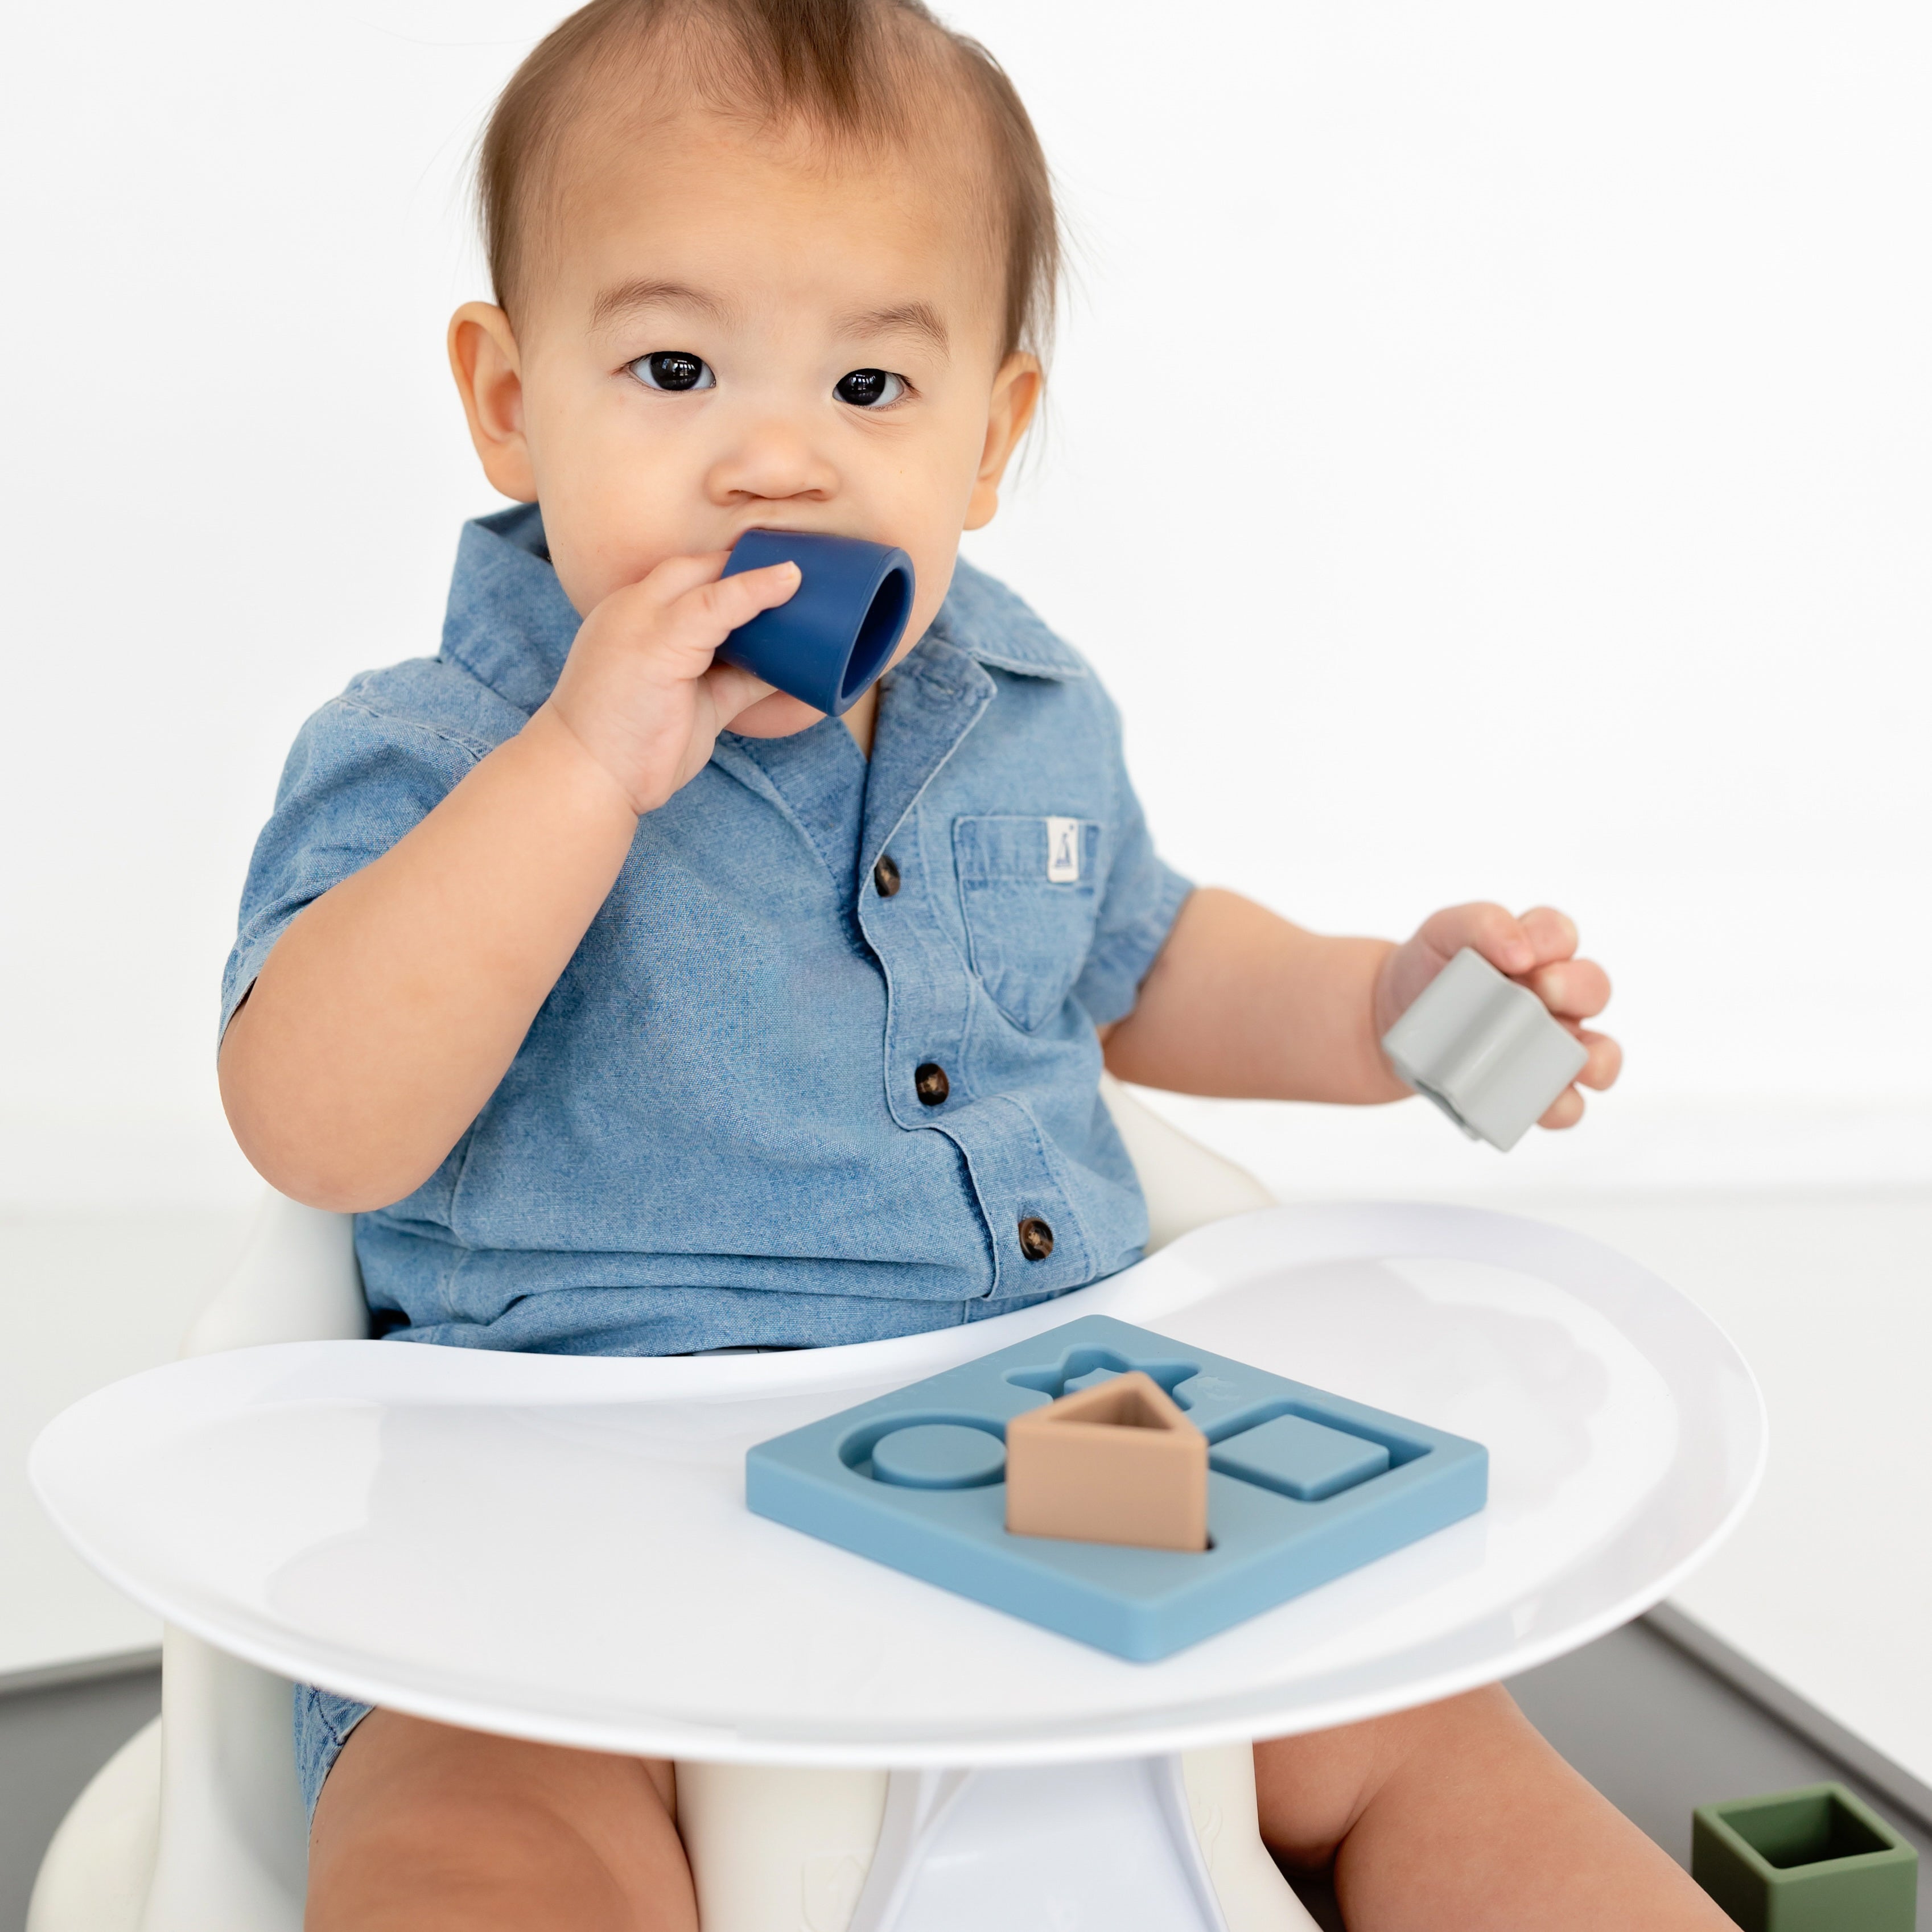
(1302, 1485)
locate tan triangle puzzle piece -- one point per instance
(1118, 1462)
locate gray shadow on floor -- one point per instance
(52, 1740)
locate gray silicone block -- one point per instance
(1486, 1050)
(915, 1479)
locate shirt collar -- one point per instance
(510, 625)
(986, 621)
(509, 622)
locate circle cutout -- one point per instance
(939, 1456)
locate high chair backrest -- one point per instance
(296, 1281)
(1187, 1185)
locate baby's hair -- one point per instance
(866, 73)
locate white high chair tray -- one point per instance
(557, 1547)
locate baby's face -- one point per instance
(730, 332)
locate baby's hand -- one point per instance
(639, 691)
(1538, 949)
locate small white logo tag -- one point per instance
(1062, 851)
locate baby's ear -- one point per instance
(1016, 390)
(488, 369)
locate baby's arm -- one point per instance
(1241, 1004)
(392, 1006)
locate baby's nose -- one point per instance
(775, 461)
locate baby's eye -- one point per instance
(869, 388)
(673, 369)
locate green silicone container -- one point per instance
(1814, 1860)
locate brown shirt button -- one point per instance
(885, 875)
(930, 1083)
(1035, 1238)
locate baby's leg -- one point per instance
(421, 1828)
(1459, 1815)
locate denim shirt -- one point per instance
(724, 1127)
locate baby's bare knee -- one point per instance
(422, 1827)
(1312, 1790)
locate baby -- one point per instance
(634, 1007)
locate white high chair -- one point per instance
(196, 1824)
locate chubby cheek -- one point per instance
(609, 525)
(613, 512)
(932, 575)
(593, 561)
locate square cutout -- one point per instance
(1306, 1460)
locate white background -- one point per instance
(1489, 456)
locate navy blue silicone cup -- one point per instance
(841, 625)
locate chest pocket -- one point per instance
(1030, 888)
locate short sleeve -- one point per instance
(360, 777)
(1143, 896)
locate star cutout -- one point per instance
(1085, 1368)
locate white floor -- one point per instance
(1828, 1291)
